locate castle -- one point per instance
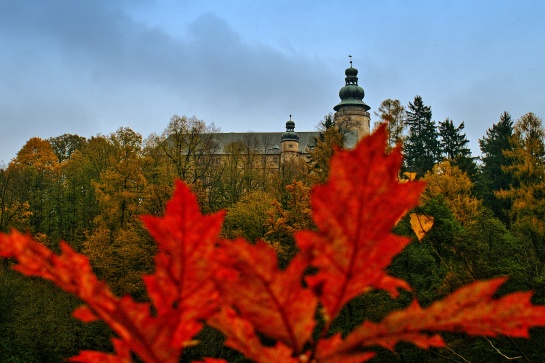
(277, 147)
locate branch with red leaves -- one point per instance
(238, 288)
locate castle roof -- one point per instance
(269, 142)
(351, 94)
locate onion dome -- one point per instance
(351, 94)
(290, 134)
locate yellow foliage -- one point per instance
(36, 153)
(454, 186)
(421, 224)
(409, 176)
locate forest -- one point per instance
(488, 216)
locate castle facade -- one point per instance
(277, 147)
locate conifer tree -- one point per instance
(422, 144)
(493, 176)
(454, 147)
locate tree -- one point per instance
(392, 112)
(117, 246)
(454, 147)
(37, 167)
(421, 147)
(247, 218)
(65, 145)
(331, 138)
(453, 143)
(271, 314)
(14, 212)
(285, 219)
(121, 188)
(241, 172)
(527, 191)
(80, 174)
(455, 187)
(494, 176)
(189, 144)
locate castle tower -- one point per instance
(352, 111)
(289, 142)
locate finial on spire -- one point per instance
(290, 116)
(350, 56)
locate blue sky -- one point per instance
(90, 67)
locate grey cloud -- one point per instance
(87, 67)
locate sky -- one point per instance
(91, 67)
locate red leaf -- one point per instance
(355, 213)
(122, 355)
(273, 301)
(182, 283)
(327, 346)
(241, 336)
(471, 309)
(181, 289)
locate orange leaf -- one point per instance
(355, 212)
(241, 336)
(122, 355)
(471, 309)
(182, 283)
(273, 301)
(421, 224)
(181, 288)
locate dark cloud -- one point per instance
(87, 67)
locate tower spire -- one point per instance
(352, 109)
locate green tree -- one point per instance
(190, 145)
(14, 211)
(80, 173)
(454, 147)
(453, 142)
(331, 138)
(421, 147)
(65, 145)
(241, 168)
(493, 176)
(247, 218)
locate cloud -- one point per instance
(88, 67)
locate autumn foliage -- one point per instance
(238, 288)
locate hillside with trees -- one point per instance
(488, 212)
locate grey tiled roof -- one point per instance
(263, 142)
(269, 142)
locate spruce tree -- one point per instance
(454, 147)
(494, 162)
(422, 145)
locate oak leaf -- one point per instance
(471, 309)
(355, 213)
(181, 289)
(273, 301)
(239, 288)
